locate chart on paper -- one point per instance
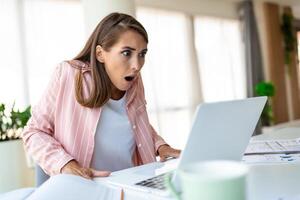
(271, 158)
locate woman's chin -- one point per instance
(125, 86)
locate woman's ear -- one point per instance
(99, 53)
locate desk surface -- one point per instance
(275, 181)
(265, 182)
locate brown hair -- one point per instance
(106, 34)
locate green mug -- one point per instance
(211, 180)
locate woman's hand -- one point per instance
(165, 151)
(72, 167)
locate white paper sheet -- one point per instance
(72, 187)
(274, 146)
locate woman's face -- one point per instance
(124, 60)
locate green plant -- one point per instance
(12, 122)
(266, 89)
(290, 41)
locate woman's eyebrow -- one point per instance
(133, 49)
(130, 48)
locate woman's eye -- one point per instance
(143, 54)
(126, 53)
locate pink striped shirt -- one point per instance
(60, 129)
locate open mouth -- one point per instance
(129, 78)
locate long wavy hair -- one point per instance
(106, 34)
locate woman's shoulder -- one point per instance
(72, 67)
(69, 68)
(76, 65)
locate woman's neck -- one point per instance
(117, 94)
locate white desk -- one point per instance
(265, 182)
(272, 181)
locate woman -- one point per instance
(92, 118)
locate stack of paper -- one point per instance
(273, 151)
(273, 146)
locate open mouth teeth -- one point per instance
(129, 78)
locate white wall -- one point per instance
(195, 7)
(296, 11)
(95, 10)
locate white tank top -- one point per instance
(114, 140)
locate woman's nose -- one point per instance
(136, 65)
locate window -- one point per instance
(11, 80)
(165, 74)
(221, 59)
(166, 71)
(37, 36)
(54, 33)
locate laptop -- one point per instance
(220, 131)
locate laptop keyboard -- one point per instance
(156, 182)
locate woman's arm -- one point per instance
(162, 149)
(38, 134)
(158, 140)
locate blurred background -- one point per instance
(199, 51)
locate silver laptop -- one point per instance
(220, 130)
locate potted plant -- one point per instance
(290, 41)
(13, 167)
(266, 89)
(12, 124)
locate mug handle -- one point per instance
(170, 186)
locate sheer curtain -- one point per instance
(35, 37)
(11, 79)
(166, 74)
(170, 67)
(54, 33)
(221, 60)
